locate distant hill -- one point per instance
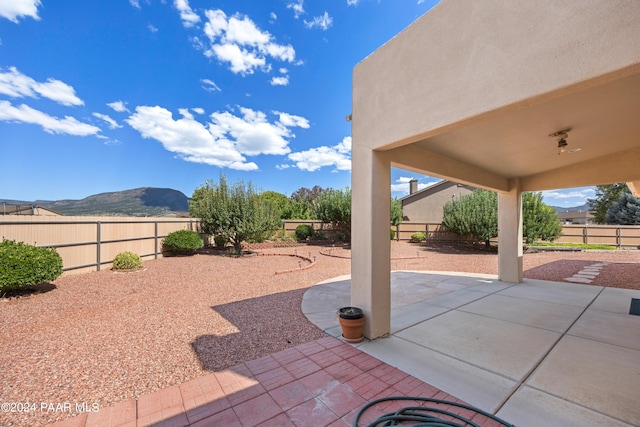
(145, 201)
(584, 207)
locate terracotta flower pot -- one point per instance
(352, 322)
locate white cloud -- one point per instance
(323, 22)
(237, 40)
(17, 85)
(273, 17)
(198, 110)
(112, 123)
(184, 112)
(152, 28)
(243, 31)
(188, 16)
(568, 197)
(135, 3)
(280, 81)
(315, 158)
(297, 7)
(290, 120)
(353, 2)
(241, 60)
(190, 139)
(569, 194)
(108, 141)
(224, 141)
(14, 9)
(209, 85)
(25, 114)
(118, 106)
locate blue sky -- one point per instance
(99, 96)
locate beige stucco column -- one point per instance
(370, 243)
(510, 235)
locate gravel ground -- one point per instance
(104, 337)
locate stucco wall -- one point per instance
(426, 206)
(431, 76)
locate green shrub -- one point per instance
(319, 235)
(393, 234)
(220, 241)
(418, 237)
(23, 265)
(304, 231)
(183, 241)
(127, 261)
(282, 236)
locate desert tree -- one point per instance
(235, 211)
(626, 211)
(334, 207)
(606, 197)
(539, 220)
(476, 214)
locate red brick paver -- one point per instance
(321, 383)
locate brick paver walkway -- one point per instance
(321, 383)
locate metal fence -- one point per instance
(90, 243)
(620, 236)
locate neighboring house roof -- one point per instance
(6, 209)
(438, 186)
(577, 215)
(426, 205)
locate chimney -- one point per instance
(413, 186)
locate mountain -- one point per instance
(145, 201)
(584, 207)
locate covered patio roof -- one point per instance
(471, 92)
(482, 85)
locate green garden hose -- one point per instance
(426, 416)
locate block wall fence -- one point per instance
(91, 243)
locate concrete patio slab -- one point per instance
(477, 386)
(412, 314)
(600, 376)
(543, 315)
(618, 329)
(556, 292)
(532, 408)
(458, 298)
(537, 353)
(615, 300)
(504, 348)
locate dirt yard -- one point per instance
(104, 337)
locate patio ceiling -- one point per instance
(604, 121)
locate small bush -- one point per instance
(418, 237)
(304, 231)
(127, 261)
(319, 235)
(282, 236)
(393, 234)
(23, 265)
(183, 241)
(220, 241)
